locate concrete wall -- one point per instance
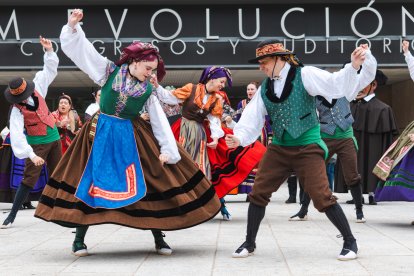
(400, 96)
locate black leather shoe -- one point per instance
(290, 200)
(300, 216)
(79, 249)
(28, 205)
(371, 200)
(245, 250)
(351, 201)
(7, 223)
(349, 251)
(162, 248)
(360, 216)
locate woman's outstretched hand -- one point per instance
(405, 46)
(75, 17)
(46, 43)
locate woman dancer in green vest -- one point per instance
(119, 169)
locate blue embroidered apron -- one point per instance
(113, 176)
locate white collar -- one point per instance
(284, 72)
(369, 97)
(30, 101)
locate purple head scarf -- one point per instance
(214, 72)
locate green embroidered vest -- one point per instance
(296, 114)
(110, 99)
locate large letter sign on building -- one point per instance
(196, 36)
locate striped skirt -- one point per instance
(193, 138)
(178, 196)
(11, 175)
(5, 168)
(247, 185)
(399, 185)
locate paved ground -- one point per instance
(34, 247)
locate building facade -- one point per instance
(192, 36)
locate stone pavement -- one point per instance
(34, 247)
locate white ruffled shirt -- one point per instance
(345, 82)
(42, 81)
(81, 51)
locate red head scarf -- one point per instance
(142, 51)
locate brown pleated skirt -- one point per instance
(178, 196)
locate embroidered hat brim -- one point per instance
(269, 48)
(14, 99)
(256, 60)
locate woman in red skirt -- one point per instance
(199, 131)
